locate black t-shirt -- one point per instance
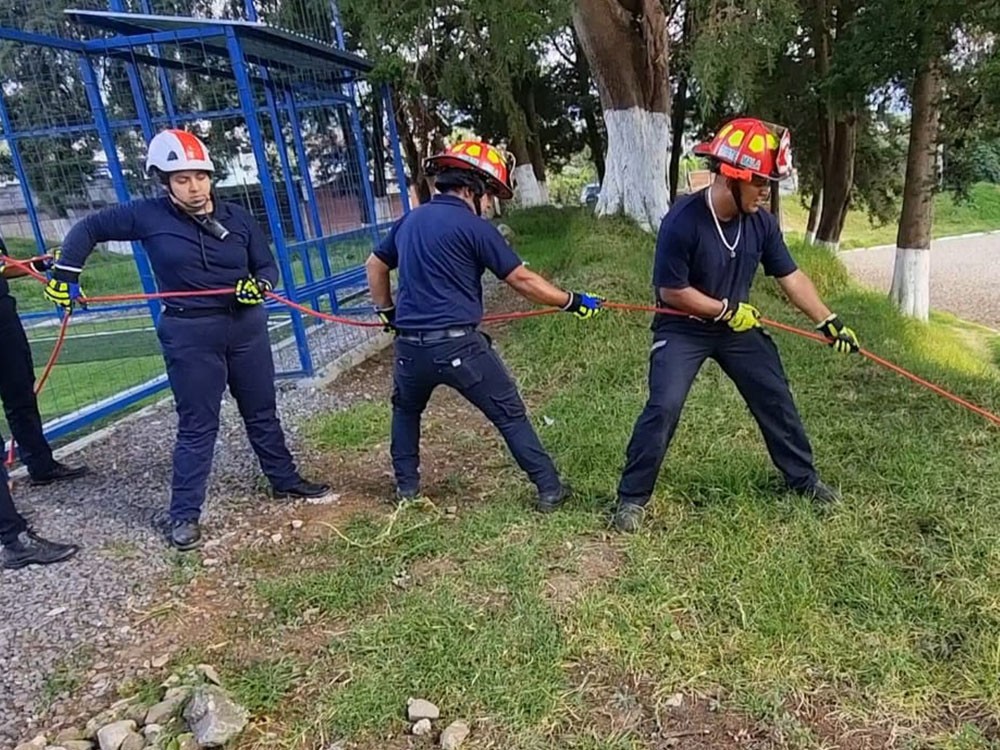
(689, 252)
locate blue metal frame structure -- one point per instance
(277, 55)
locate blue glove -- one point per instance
(584, 306)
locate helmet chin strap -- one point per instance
(734, 190)
(183, 205)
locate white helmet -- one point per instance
(177, 151)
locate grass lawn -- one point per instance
(980, 213)
(739, 617)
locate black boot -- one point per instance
(185, 535)
(58, 473)
(550, 501)
(30, 549)
(823, 495)
(302, 490)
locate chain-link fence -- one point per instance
(297, 134)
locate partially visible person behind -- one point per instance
(17, 386)
(19, 545)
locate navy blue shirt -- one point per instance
(442, 250)
(184, 257)
(689, 252)
(4, 287)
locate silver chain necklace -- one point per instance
(718, 227)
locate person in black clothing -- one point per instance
(19, 545)
(17, 387)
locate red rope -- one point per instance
(495, 318)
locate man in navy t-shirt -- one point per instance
(707, 252)
(441, 251)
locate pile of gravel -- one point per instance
(64, 627)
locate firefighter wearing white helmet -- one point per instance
(196, 242)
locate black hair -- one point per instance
(452, 180)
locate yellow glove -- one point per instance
(251, 291)
(840, 337)
(741, 316)
(63, 293)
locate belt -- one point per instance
(200, 312)
(429, 337)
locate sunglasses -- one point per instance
(758, 182)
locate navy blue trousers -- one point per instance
(17, 391)
(751, 360)
(11, 522)
(204, 355)
(470, 366)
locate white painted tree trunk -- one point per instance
(543, 188)
(527, 189)
(635, 177)
(831, 246)
(911, 281)
(810, 238)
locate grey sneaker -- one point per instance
(628, 517)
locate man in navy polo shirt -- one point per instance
(707, 252)
(441, 251)
(197, 243)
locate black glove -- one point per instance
(840, 337)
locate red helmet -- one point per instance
(746, 146)
(480, 158)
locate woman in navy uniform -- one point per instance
(196, 242)
(441, 251)
(707, 252)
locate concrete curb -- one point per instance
(949, 238)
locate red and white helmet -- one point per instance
(177, 151)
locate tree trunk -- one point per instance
(527, 190)
(626, 44)
(776, 203)
(911, 277)
(534, 140)
(595, 135)
(838, 179)
(413, 160)
(378, 144)
(678, 115)
(678, 112)
(813, 221)
(838, 132)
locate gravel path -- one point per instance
(65, 627)
(965, 274)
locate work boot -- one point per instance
(57, 473)
(550, 501)
(628, 517)
(185, 535)
(30, 549)
(302, 490)
(822, 495)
